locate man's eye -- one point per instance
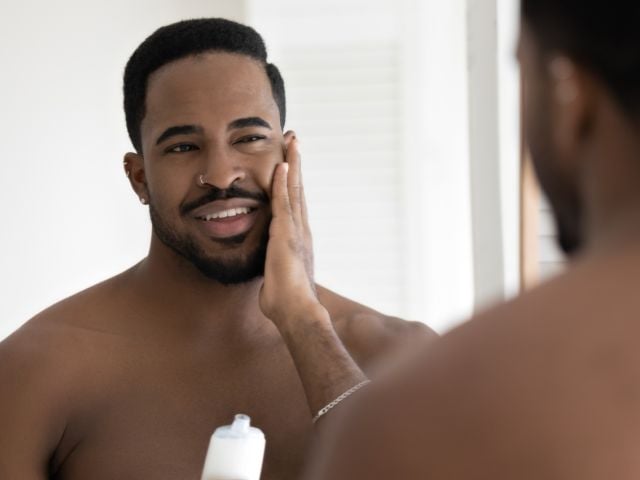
(250, 139)
(182, 148)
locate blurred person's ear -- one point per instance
(573, 100)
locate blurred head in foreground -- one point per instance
(581, 65)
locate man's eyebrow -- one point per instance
(248, 122)
(178, 130)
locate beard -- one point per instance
(567, 215)
(559, 185)
(227, 270)
(564, 199)
(569, 228)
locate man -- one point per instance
(128, 379)
(547, 386)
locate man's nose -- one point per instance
(221, 170)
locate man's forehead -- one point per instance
(215, 74)
(229, 85)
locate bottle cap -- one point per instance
(235, 452)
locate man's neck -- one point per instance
(611, 187)
(185, 298)
(620, 231)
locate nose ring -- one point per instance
(201, 181)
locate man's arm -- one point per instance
(30, 427)
(376, 342)
(397, 428)
(289, 298)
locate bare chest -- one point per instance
(154, 419)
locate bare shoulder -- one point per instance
(37, 377)
(44, 341)
(30, 414)
(545, 386)
(43, 373)
(370, 335)
(53, 339)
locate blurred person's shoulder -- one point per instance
(371, 336)
(547, 383)
(592, 306)
(555, 372)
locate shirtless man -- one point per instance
(547, 386)
(128, 379)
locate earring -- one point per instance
(143, 200)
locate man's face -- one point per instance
(212, 118)
(557, 178)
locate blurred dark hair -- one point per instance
(602, 36)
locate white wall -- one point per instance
(68, 216)
(494, 150)
(437, 162)
(509, 128)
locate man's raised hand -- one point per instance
(288, 292)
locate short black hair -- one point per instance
(602, 36)
(183, 39)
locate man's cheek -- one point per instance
(267, 169)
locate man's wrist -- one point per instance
(304, 316)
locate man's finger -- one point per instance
(280, 204)
(300, 195)
(294, 181)
(303, 209)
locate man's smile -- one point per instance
(227, 218)
(229, 213)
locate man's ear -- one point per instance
(573, 98)
(134, 169)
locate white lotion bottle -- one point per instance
(235, 452)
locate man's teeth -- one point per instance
(232, 212)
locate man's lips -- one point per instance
(227, 218)
(217, 208)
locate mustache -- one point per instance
(216, 193)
